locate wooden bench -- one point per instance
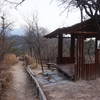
(51, 65)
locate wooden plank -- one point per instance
(67, 69)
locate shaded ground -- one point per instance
(66, 90)
(57, 88)
(21, 88)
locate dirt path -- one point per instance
(21, 87)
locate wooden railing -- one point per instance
(38, 89)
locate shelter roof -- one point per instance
(88, 27)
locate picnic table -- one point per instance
(51, 65)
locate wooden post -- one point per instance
(80, 58)
(72, 48)
(96, 69)
(60, 48)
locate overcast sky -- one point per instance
(49, 14)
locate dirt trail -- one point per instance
(21, 88)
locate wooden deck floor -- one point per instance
(67, 69)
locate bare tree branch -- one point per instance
(15, 3)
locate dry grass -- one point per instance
(10, 59)
(5, 74)
(5, 79)
(30, 61)
(34, 65)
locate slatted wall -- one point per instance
(98, 62)
(82, 70)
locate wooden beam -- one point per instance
(79, 58)
(72, 48)
(60, 48)
(97, 69)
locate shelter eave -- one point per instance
(86, 27)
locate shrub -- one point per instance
(5, 80)
(10, 59)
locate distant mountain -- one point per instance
(18, 43)
(18, 31)
(18, 40)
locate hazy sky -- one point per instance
(49, 14)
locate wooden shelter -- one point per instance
(76, 65)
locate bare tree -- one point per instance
(90, 7)
(9, 3)
(13, 2)
(4, 31)
(35, 40)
